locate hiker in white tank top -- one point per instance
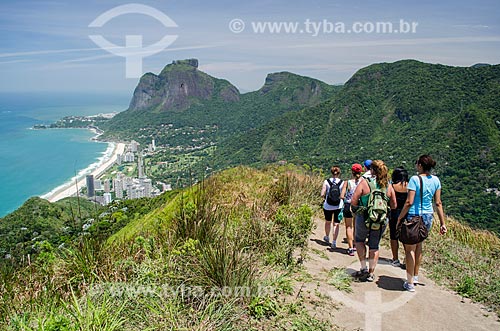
(356, 170)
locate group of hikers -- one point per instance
(360, 202)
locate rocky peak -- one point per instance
(274, 79)
(189, 62)
(178, 86)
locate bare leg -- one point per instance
(373, 259)
(394, 249)
(361, 249)
(328, 226)
(418, 258)
(410, 262)
(349, 231)
(336, 228)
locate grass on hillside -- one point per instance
(465, 260)
(217, 256)
(206, 260)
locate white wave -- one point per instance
(105, 156)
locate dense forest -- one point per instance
(395, 112)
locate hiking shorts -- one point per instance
(332, 214)
(361, 233)
(347, 210)
(427, 218)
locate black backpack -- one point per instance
(333, 196)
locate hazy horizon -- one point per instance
(46, 44)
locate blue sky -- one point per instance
(45, 44)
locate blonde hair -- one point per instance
(379, 170)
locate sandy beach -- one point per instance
(70, 189)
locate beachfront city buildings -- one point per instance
(120, 186)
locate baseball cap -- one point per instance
(368, 163)
(357, 168)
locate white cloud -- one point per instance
(14, 61)
(398, 42)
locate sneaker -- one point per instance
(334, 244)
(350, 252)
(370, 278)
(415, 280)
(361, 273)
(354, 249)
(408, 287)
(326, 239)
(396, 263)
(402, 266)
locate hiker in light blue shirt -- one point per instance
(431, 185)
(415, 206)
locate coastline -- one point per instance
(68, 189)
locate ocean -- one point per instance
(35, 162)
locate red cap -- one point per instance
(356, 167)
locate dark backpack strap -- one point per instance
(421, 195)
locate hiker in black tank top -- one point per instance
(399, 183)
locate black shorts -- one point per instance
(347, 210)
(329, 214)
(393, 221)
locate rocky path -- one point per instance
(383, 305)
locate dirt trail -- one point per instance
(431, 307)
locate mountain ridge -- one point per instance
(395, 112)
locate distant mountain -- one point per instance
(395, 112)
(390, 111)
(479, 65)
(184, 97)
(179, 86)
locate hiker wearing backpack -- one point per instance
(419, 203)
(333, 191)
(370, 203)
(399, 182)
(352, 183)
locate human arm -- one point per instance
(358, 192)
(440, 212)
(344, 190)
(323, 190)
(392, 197)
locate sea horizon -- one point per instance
(39, 162)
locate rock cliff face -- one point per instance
(178, 86)
(292, 88)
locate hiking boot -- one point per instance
(326, 239)
(408, 287)
(350, 252)
(396, 263)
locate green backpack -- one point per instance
(377, 207)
